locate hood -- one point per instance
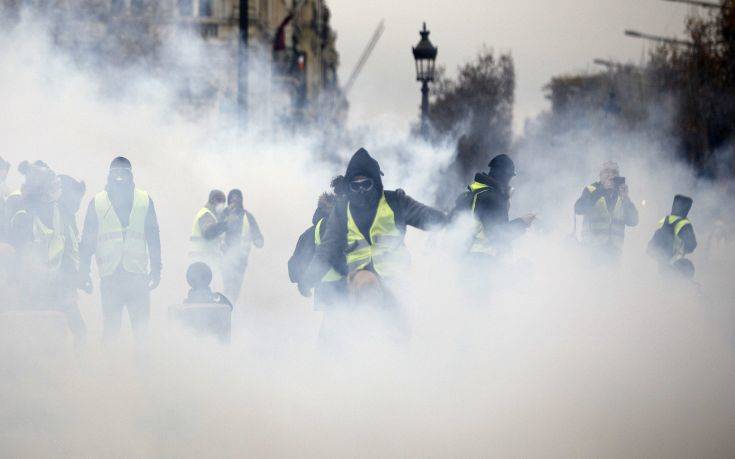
(364, 164)
(681, 206)
(491, 181)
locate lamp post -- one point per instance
(242, 64)
(424, 53)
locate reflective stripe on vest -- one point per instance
(480, 244)
(331, 275)
(116, 245)
(679, 224)
(208, 250)
(385, 250)
(601, 227)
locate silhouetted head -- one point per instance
(502, 169)
(608, 172)
(72, 192)
(40, 182)
(235, 199)
(363, 177)
(120, 176)
(216, 201)
(199, 276)
(681, 206)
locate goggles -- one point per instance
(365, 184)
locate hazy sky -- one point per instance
(546, 38)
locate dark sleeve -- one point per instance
(302, 256)
(331, 252)
(88, 243)
(256, 235)
(153, 239)
(687, 236)
(419, 215)
(586, 202)
(210, 227)
(630, 212)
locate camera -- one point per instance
(619, 181)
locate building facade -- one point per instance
(291, 55)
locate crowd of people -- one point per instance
(353, 254)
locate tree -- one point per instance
(475, 110)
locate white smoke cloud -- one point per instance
(556, 359)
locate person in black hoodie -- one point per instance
(488, 199)
(331, 287)
(121, 230)
(364, 236)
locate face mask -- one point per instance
(219, 207)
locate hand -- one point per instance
(154, 280)
(304, 290)
(84, 283)
(623, 190)
(528, 219)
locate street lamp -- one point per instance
(425, 55)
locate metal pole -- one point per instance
(425, 109)
(242, 64)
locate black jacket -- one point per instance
(492, 209)
(332, 251)
(123, 206)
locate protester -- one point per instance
(241, 235)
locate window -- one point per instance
(205, 8)
(186, 7)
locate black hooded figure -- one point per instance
(364, 189)
(674, 238)
(121, 289)
(492, 204)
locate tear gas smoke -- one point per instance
(553, 358)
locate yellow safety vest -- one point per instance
(49, 243)
(678, 242)
(480, 243)
(118, 245)
(601, 227)
(385, 250)
(207, 250)
(332, 275)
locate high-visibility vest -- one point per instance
(480, 243)
(49, 243)
(679, 223)
(117, 245)
(332, 275)
(208, 250)
(602, 227)
(385, 249)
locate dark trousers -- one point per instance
(125, 290)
